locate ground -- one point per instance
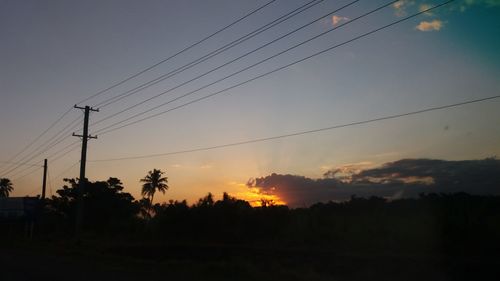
(33, 261)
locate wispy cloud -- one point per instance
(483, 2)
(338, 19)
(465, 4)
(434, 25)
(424, 7)
(400, 7)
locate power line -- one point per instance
(109, 128)
(227, 63)
(178, 53)
(240, 71)
(216, 52)
(127, 79)
(73, 148)
(52, 161)
(53, 155)
(45, 146)
(67, 170)
(137, 74)
(27, 174)
(388, 117)
(141, 72)
(38, 137)
(20, 163)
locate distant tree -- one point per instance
(106, 205)
(145, 208)
(207, 201)
(153, 181)
(5, 187)
(264, 203)
(115, 183)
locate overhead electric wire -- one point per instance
(27, 174)
(73, 148)
(178, 53)
(42, 151)
(37, 138)
(20, 163)
(211, 54)
(141, 72)
(66, 170)
(225, 64)
(46, 145)
(356, 123)
(53, 155)
(52, 161)
(110, 128)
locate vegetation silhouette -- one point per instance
(432, 232)
(106, 207)
(153, 182)
(5, 187)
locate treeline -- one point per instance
(457, 222)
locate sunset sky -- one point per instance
(54, 54)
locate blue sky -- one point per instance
(56, 53)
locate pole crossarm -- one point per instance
(85, 107)
(88, 137)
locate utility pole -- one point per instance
(83, 180)
(44, 184)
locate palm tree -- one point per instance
(5, 187)
(153, 181)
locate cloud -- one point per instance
(434, 25)
(337, 19)
(403, 178)
(295, 190)
(344, 173)
(465, 4)
(424, 7)
(482, 2)
(400, 7)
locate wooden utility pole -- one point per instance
(44, 184)
(83, 180)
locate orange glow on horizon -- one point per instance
(256, 198)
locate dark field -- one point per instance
(50, 262)
(434, 237)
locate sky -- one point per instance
(54, 54)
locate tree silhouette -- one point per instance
(5, 187)
(106, 205)
(154, 181)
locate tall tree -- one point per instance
(5, 187)
(153, 182)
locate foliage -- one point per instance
(5, 187)
(105, 203)
(153, 182)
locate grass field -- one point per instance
(42, 261)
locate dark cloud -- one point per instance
(297, 190)
(403, 178)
